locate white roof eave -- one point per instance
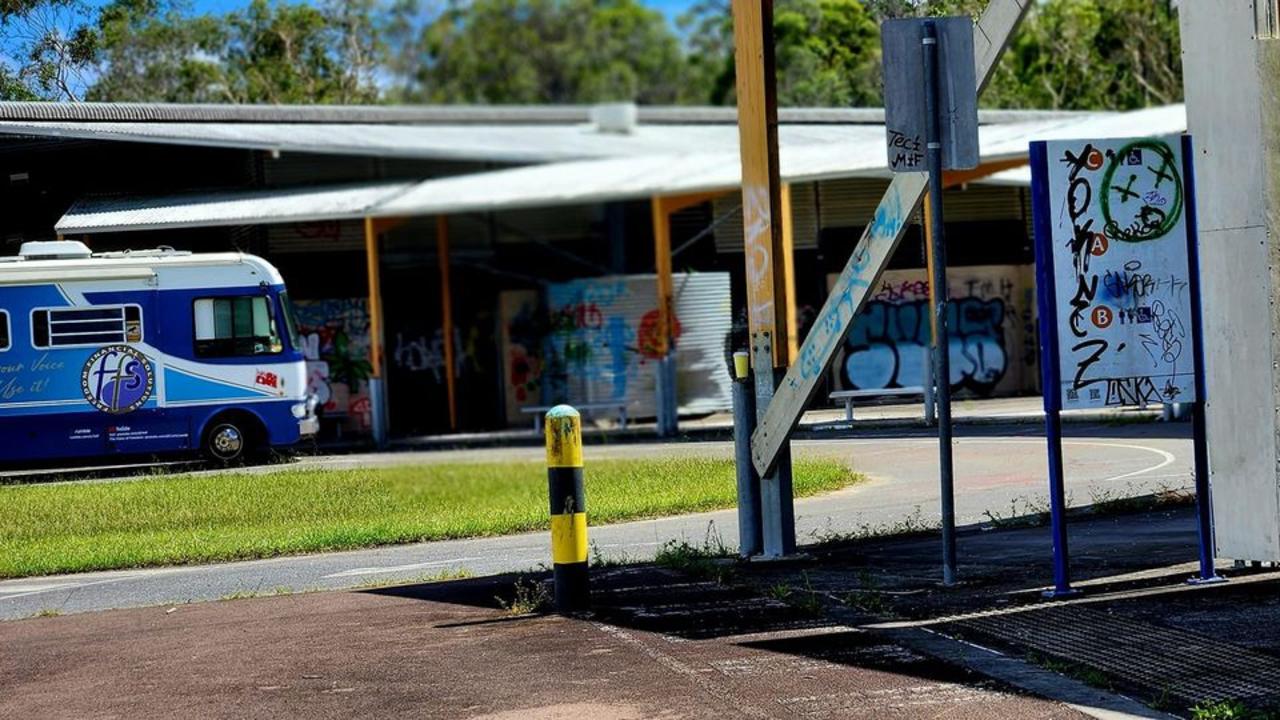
(805, 155)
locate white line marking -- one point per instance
(75, 586)
(354, 572)
(24, 589)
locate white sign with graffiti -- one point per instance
(1118, 232)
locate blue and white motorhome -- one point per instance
(146, 352)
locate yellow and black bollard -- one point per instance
(568, 508)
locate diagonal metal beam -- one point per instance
(991, 35)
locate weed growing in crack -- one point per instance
(528, 597)
(709, 561)
(910, 524)
(1024, 511)
(867, 597)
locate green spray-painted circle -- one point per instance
(1145, 230)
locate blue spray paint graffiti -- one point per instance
(992, 333)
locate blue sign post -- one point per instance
(1204, 495)
(1049, 368)
(1119, 297)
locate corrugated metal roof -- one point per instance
(648, 167)
(492, 143)
(437, 114)
(97, 215)
(859, 153)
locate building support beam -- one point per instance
(446, 318)
(662, 208)
(668, 415)
(377, 384)
(765, 246)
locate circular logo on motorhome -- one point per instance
(117, 379)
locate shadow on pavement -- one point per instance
(1136, 627)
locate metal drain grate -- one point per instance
(1187, 665)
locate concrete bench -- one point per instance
(538, 411)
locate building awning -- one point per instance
(509, 135)
(859, 153)
(212, 209)
(808, 154)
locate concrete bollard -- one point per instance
(568, 508)
(750, 534)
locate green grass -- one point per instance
(165, 519)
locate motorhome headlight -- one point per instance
(299, 410)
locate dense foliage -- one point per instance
(1069, 54)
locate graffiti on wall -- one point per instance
(335, 341)
(991, 322)
(594, 340)
(418, 355)
(590, 347)
(523, 324)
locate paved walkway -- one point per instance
(446, 651)
(999, 473)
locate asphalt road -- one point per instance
(998, 470)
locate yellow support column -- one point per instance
(377, 389)
(662, 208)
(446, 317)
(662, 263)
(568, 508)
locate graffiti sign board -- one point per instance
(1117, 231)
(904, 92)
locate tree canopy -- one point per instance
(1069, 54)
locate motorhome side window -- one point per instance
(235, 327)
(4, 331)
(96, 325)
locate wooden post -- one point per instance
(662, 264)
(377, 389)
(446, 317)
(762, 213)
(766, 244)
(375, 297)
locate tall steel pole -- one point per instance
(941, 344)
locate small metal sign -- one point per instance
(904, 92)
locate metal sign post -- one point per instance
(1204, 495)
(929, 48)
(1050, 375)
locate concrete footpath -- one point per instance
(661, 645)
(859, 629)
